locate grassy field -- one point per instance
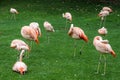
(55, 61)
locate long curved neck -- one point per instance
(21, 55)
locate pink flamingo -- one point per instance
(29, 33)
(36, 27)
(19, 45)
(49, 28)
(102, 31)
(68, 17)
(103, 47)
(20, 66)
(77, 33)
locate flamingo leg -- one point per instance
(75, 47)
(98, 67)
(104, 64)
(82, 48)
(14, 17)
(47, 37)
(104, 21)
(66, 25)
(101, 22)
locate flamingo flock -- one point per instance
(32, 32)
(101, 45)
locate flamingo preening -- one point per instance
(36, 27)
(77, 33)
(102, 31)
(103, 47)
(29, 33)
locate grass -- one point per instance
(55, 61)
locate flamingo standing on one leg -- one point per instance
(36, 27)
(19, 45)
(104, 48)
(13, 11)
(49, 28)
(68, 17)
(20, 66)
(77, 33)
(29, 33)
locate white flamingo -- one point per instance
(14, 12)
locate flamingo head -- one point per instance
(21, 70)
(84, 37)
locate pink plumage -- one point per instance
(102, 31)
(29, 33)
(20, 67)
(107, 9)
(67, 15)
(19, 45)
(103, 46)
(77, 33)
(48, 26)
(36, 27)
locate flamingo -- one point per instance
(20, 66)
(103, 47)
(68, 17)
(13, 11)
(19, 45)
(29, 33)
(103, 15)
(102, 31)
(77, 33)
(36, 27)
(107, 9)
(49, 28)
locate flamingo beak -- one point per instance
(21, 71)
(37, 41)
(85, 38)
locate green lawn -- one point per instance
(55, 61)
